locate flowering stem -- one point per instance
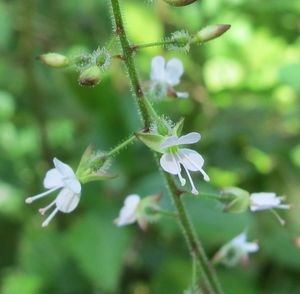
(194, 244)
(123, 145)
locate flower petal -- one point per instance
(182, 95)
(158, 69)
(67, 201)
(264, 200)
(189, 138)
(169, 164)
(127, 213)
(53, 179)
(73, 184)
(169, 142)
(64, 169)
(191, 159)
(174, 71)
(251, 247)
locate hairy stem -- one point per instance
(121, 146)
(129, 62)
(194, 244)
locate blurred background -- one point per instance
(244, 90)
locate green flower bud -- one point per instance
(237, 200)
(55, 60)
(90, 76)
(179, 2)
(210, 32)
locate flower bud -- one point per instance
(235, 199)
(55, 60)
(90, 76)
(179, 2)
(210, 32)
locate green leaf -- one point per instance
(99, 247)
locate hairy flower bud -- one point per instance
(90, 76)
(210, 32)
(179, 2)
(236, 200)
(55, 60)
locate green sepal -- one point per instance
(89, 168)
(84, 161)
(97, 176)
(153, 141)
(237, 200)
(178, 128)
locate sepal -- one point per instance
(236, 200)
(177, 129)
(153, 141)
(92, 167)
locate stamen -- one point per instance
(50, 217)
(278, 217)
(284, 206)
(31, 199)
(194, 190)
(205, 175)
(176, 159)
(44, 209)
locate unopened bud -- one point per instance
(179, 2)
(90, 76)
(236, 200)
(55, 60)
(210, 32)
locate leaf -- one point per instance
(99, 248)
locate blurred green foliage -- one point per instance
(244, 90)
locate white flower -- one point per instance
(174, 157)
(128, 213)
(165, 76)
(61, 177)
(266, 200)
(236, 250)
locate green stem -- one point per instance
(210, 195)
(166, 212)
(129, 62)
(153, 44)
(123, 145)
(194, 244)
